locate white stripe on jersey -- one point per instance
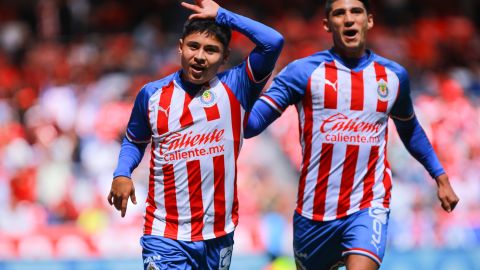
(344, 89)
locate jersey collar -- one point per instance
(191, 88)
(355, 64)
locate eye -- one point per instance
(357, 10)
(338, 12)
(212, 49)
(193, 45)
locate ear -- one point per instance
(226, 55)
(370, 21)
(180, 43)
(326, 25)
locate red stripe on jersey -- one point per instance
(369, 179)
(212, 112)
(387, 181)
(171, 229)
(322, 181)
(381, 73)
(236, 130)
(164, 108)
(196, 203)
(149, 215)
(348, 176)
(357, 91)
(219, 195)
(186, 119)
(331, 85)
(307, 140)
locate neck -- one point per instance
(350, 54)
(188, 86)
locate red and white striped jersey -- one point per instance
(343, 116)
(195, 142)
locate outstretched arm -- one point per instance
(268, 42)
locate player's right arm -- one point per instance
(133, 147)
(287, 88)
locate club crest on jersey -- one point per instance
(208, 98)
(382, 90)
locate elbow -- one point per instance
(248, 134)
(275, 42)
(278, 41)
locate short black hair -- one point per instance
(328, 6)
(208, 26)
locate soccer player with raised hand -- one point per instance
(344, 97)
(193, 120)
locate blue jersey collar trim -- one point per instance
(355, 64)
(187, 86)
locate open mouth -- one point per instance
(198, 68)
(350, 33)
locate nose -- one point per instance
(200, 56)
(349, 18)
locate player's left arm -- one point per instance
(269, 43)
(416, 141)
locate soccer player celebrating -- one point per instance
(344, 98)
(194, 121)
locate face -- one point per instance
(348, 22)
(202, 55)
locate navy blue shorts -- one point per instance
(324, 245)
(160, 253)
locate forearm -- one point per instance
(130, 156)
(269, 42)
(415, 140)
(261, 116)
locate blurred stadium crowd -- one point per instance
(70, 70)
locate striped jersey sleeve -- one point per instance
(138, 128)
(288, 87)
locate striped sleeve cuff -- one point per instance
(250, 73)
(272, 103)
(132, 139)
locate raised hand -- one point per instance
(204, 9)
(122, 189)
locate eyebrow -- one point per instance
(208, 46)
(342, 10)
